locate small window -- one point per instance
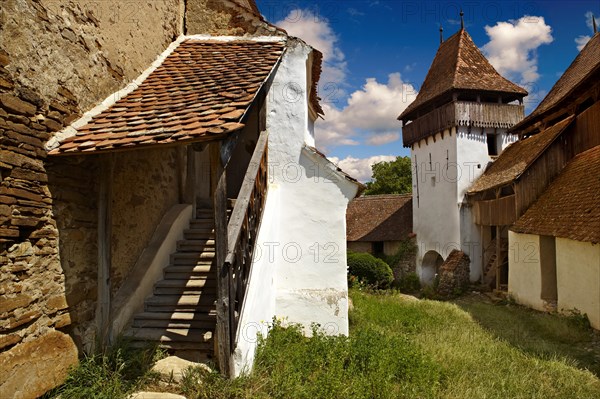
(377, 247)
(492, 145)
(433, 181)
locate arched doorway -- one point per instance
(429, 269)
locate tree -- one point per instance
(393, 177)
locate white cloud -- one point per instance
(317, 32)
(581, 41)
(360, 168)
(382, 138)
(588, 20)
(513, 45)
(370, 114)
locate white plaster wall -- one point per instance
(472, 160)
(441, 218)
(310, 254)
(311, 274)
(259, 305)
(524, 270)
(435, 212)
(305, 249)
(578, 278)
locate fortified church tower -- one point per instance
(455, 127)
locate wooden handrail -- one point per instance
(242, 232)
(234, 229)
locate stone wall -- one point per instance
(140, 200)
(57, 60)
(224, 17)
(454, 274)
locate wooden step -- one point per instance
(202, 270)
(170, 334)
(174, 303)
(185, 291)
(196, 245)
(183, 316)
(175, 320)
(202, 223)
(191, 258)
(195, 234)
(207, 286)
(183, 283)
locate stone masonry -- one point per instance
(58, 59)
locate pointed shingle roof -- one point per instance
(576, 76)
(459, 65)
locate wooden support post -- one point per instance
(219, 195)
(190, 184)
(498, 246)
(104, 247)
(498, 260)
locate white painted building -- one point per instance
(246, 140)
(300, 275)
(455, 127)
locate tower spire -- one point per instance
(462, 20)
(441, 34)
(594, 24)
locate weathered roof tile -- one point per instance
(459, 65)
(379, 218)
(570, 207)
(517, 157)
(202, 89)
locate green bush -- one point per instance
(406, 251)
(369, 270)
(409, 283)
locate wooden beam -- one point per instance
(219, 195)
(104, 247)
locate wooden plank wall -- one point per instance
(497, 212)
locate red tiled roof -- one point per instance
(379, 218)
(459, 65)
(585, 64)
(517, 157)
(201, 91)
(570, 207)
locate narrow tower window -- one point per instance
(492, 145)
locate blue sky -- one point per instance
(377, 54)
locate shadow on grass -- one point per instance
(540, 334)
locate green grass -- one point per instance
(475, 363)
(540, 334)
(398, 348)
(109, 375)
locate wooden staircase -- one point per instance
(491, 266)
(181, 314)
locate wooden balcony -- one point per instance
(462, 113)
(498, 212)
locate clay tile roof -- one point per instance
(201, 91)
(585, 64)
(379, 218)
(517, 157)
(459, 65)
(570, 206)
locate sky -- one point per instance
(377, 53)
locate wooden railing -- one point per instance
(462, 113)
(242, 232)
